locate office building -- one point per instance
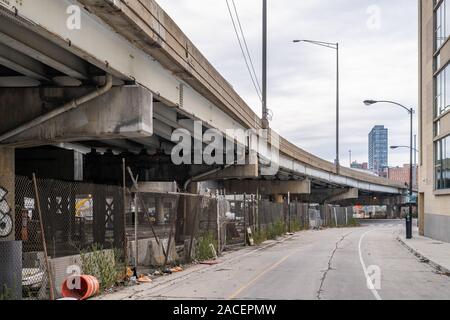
(378, 149)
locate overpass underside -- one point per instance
(75, 104)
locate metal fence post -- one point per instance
(218, 224)
(44, 244)
(125, 240)
(289, 211)
(335, 216)
(245, 219)
(136, 244)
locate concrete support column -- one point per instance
(10, 250)
(7, 184)
(159, 210)
(99, 222)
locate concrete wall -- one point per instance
(150, 253)
(123, 112)
(7, 182)
(437, 227)
(435, 204)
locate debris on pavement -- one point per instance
(176, 269)
(144, 279)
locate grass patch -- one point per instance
(260, 236)
(204, 252)
(296, 226)
(275, 230)
(101, 264)
(270, 232)
(353, 223)
(6, 293)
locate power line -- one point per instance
(246, 46)
(254, 81)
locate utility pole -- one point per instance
(409, 216)
(265, 121)
(350, 156)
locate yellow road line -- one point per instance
(241, 289)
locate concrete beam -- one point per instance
(156, 187)
(381, 200)
(351, 193)
(26, 41)
(22, 64)
(267, 187)
(122, 113)
(247, 171)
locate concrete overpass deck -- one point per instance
(71, 45)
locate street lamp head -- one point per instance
(370, 102)
(394, 147)
(297, 41)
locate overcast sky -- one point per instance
(379, 60)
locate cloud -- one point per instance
(378, 63)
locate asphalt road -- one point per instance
(326, 264)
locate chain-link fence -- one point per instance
(55, 224)
(269, 213)
(170, 225)
(55, 221)
(298, 216)
(241, 215)
(322, 216)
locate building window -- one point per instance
(442, 23)
(443, 163)
(442, 92)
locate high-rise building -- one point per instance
(378, 149)
(434, 119)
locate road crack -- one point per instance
(329, 268)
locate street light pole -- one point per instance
(411, 113)
(415, 178)
(334, 46)
(350, 157)
(337, 108)
(409, 221)
(265, 121)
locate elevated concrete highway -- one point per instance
(52, 52)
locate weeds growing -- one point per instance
(204, 251)
(100, 264)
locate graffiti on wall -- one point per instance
(6, 222)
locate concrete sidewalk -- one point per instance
(434, 252)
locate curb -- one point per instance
(441, 269)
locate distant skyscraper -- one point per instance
(378, 149)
